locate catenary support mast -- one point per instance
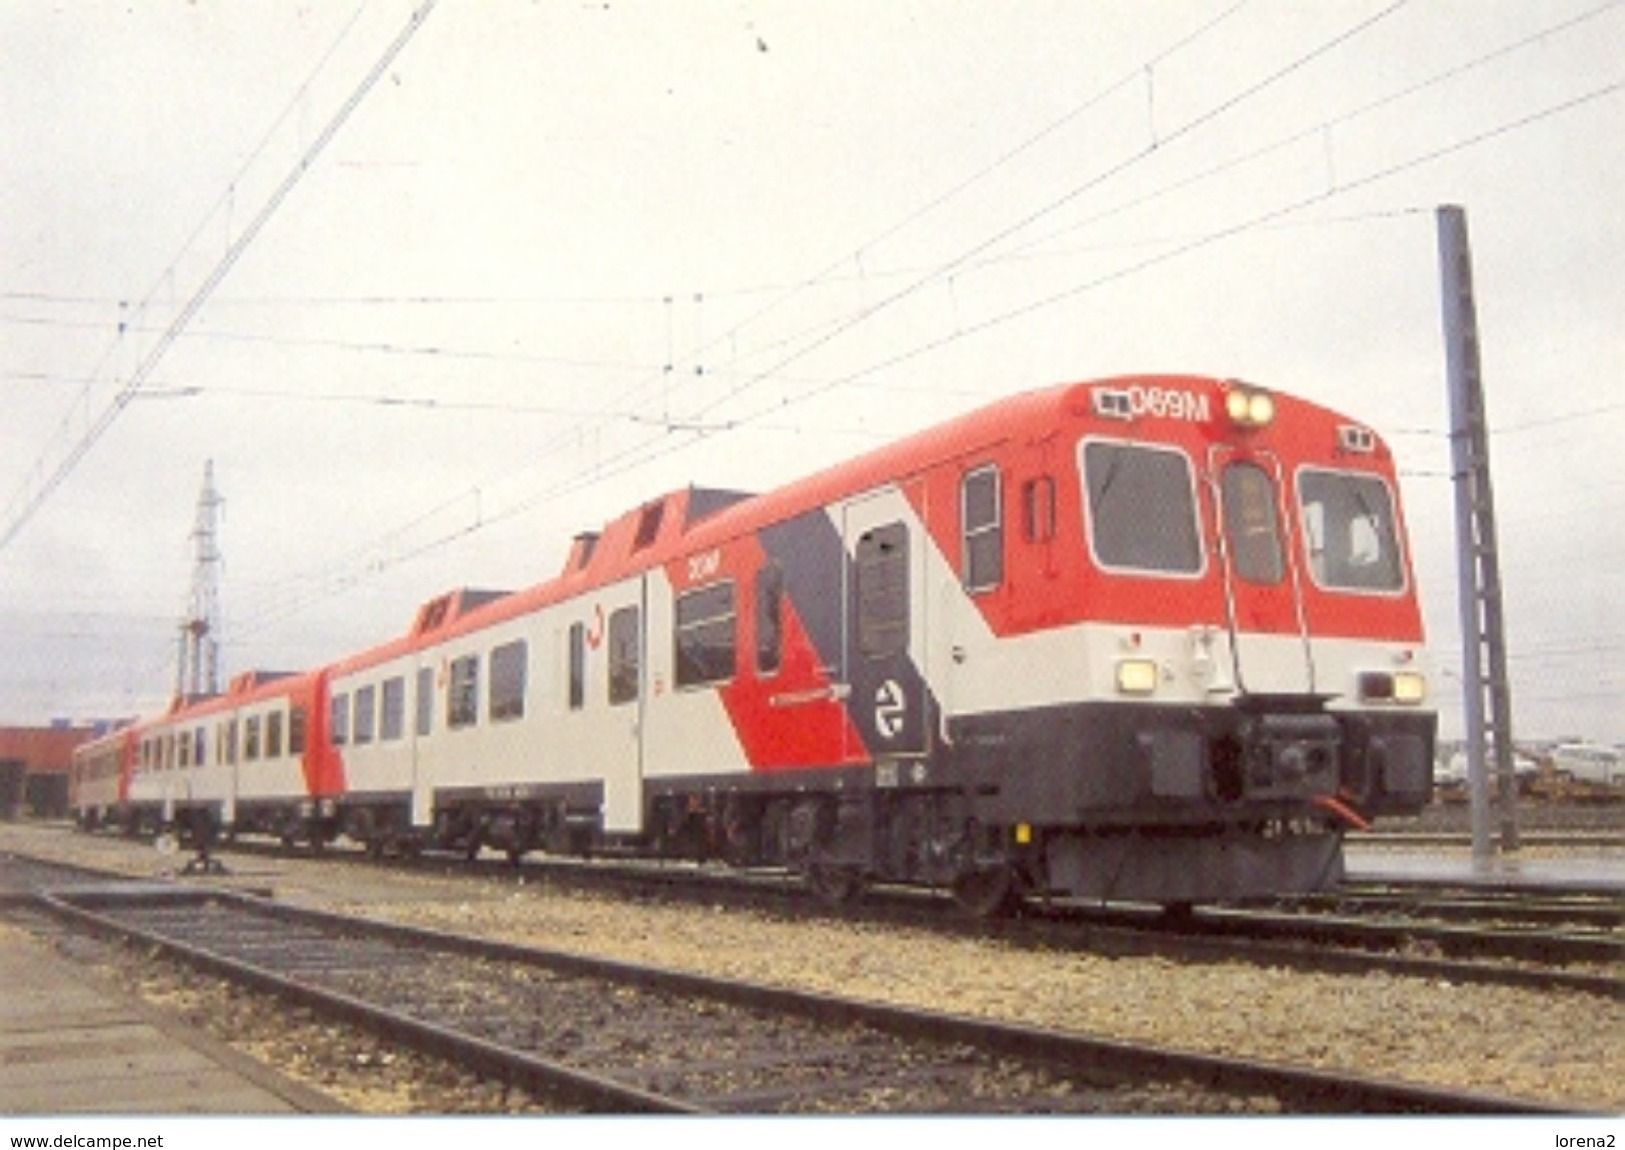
(197, 670)
(1487, 694)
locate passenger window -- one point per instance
(882, 591)
(366, 715)
(508, 682)
(251, 739)
(273, 735)
(392, 705)
(425, 701)
(578, 666)
(983, 526)
(704, 636)
(462, 694)
(623, 655)
(296, 731)
(339, 725)
(1141, 508)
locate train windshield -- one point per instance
(1348, 522)
(1141, 508)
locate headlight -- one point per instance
(1410, 687)
(1249, 407)
(1137, 676)
(1404, 687)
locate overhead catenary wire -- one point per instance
(675, 439)
(166, 277)
(25, 505)
(1071, 195)
(619, 463)
(670, 440)
(389, 347)
(836, 267)
(1246, 225)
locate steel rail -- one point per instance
(538, 1075)
(1531, 907)
(1299, 1089)
(1298, 941)
(1305, 942)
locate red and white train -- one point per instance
(1149, 638)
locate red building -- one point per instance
(34, 765)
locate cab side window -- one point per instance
(982, 521)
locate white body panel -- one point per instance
(385, 761)
(548, 743)
(686, 730)
(1079, 663)
(211, 780)
(263, 775)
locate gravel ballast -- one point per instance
(1551, 1046)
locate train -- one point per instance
(1150, 639)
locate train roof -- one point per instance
(242, 689)
(676, 523)
(679, 522)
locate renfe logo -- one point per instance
(1138, 402)
(891, 706)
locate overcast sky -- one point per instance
(564, 256)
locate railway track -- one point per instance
(1480, 936)
(22, 875)
(1513, 939)
(1557, 959)
(1498, 937)
(611, 1037)
(1508, 906)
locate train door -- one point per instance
(1269, 640)
(619, 632)
(425, 705)
(885, 626)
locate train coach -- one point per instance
(253, 759)
(1149, 638)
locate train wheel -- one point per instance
(834, 886)
(987, 892)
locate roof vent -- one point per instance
(649, 524)
(586, 544)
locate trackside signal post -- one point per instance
(1487, 694)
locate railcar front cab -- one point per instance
(1258, 736)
